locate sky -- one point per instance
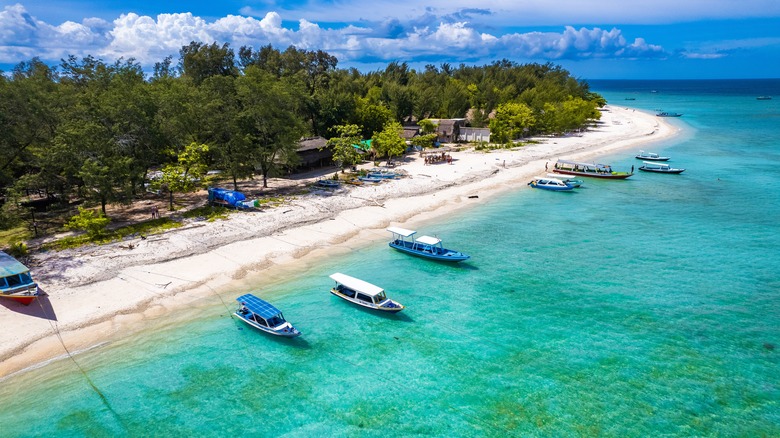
(593, 39)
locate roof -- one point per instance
(258, 306)
(428, 240)
(402, 231)
(582, 164)
(309, 143)
(653, 163)
(10, 266)
(357, 284)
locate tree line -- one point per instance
(94, 130)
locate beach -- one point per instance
(96, 293)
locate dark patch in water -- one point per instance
(769, 346)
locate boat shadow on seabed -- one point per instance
(40, 308)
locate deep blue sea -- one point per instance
(644, 307)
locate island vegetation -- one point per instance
(87, 134)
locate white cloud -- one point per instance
(150, 39)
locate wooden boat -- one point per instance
(424, 246)
(570, 181)
(650, 156)
(328, 183)
(667, 114)
(263, 316)
(16, 283)
(651, 166)
(588, 169)
(363, 294)
(553, 184)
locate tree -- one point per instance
(269, 120)
(389, 141)
(92, 222)
(182, 176)
(512, 120)
(343, 145)
(199, 61)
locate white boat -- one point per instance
(570, 181)
(423, 246)
(554, 184)
(363, 293)
(262, 315)
(650, 156)
(651, 166)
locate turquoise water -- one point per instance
(643, 307)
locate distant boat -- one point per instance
(552, 184)
(651, 156)
(262, 315)
(370, 179)
(423, 246)
(589, 169)
(651, 166)
(667, 114)
(16, 283)
(382, 173)
(630, 98)
(764, 98)
(328, 183)
(363, 294)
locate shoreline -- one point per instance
(98, 293)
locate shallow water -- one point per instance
(643, 307)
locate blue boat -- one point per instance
(363, 294)
(371, 179)
(16, 284)
(424, 246)
(328, 183)
(553, 184)
(262, 315)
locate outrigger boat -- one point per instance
(262, 315)
(570, 181)
(16, 283)
(363, 294)
(424, 246)
(650, 156)
(667, 114)
(589, 169)
(553, 184)
(650, 166)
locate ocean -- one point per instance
(644, 307)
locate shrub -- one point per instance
(94, 223)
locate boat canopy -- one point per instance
(428, 240)
(401, 231)
(357, 284)
(258, 306)
(653, 163)
(577, 163)
(10, 266)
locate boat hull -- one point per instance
(613, 175)
(371, 306)
(551, 188)
(447, 255)
(285, 333)
(672, 171)
(23, 299)
(639, 157)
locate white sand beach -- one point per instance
(99, 292)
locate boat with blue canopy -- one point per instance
(363, 294)
(16, 283)
(423, 246)
(574, 182)
(552, 184)
(263, 316)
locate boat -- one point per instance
(651, 166)
(328, 183)
(381, 173)
(764, 98)
(630, 98)
(424, 246)
(667, 114)
(263, 316)
(553, 184)
(588, 169)
(16, 283)
(651, 156)
(570, 181)
(363, 294)
(370, 179)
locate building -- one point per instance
(474, 135)
(314, 153)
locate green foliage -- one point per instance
(17, 250)
(424, 141)
(140, 229)
(426, 126)
(182, 176)
(210, 212)
(512, 120)
(94, 223)
(343, 145)
(389, 141)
